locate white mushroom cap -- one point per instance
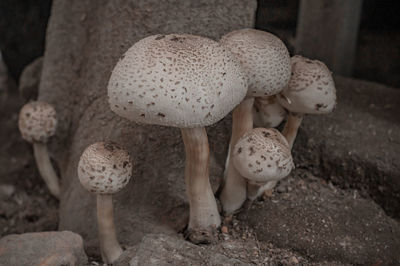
(104, 168)
(267, 112)
(37, 121)
(264, 57)
(262, 155)
(176, 80)
(311, 89)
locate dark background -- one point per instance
(23, 25)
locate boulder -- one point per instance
(44, 248)
(159, 249)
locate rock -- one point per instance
(30, 79)
(357, 145)
(44, 248)
(159, 249)
(326, 223)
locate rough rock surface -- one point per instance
(44, 248)
(29, 80)
(166, 250)
(325, 223)
(357, 145)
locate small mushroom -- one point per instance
(104, 168)
(311, 90)
(266, 62)
(267, 112)
(188, 82)
(262, 156)
(37, 122)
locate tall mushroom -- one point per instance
(262, 156)
(37, 122)
(266, 62)
(104, 169)
(188, 82)
(311, 90)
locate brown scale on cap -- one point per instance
(311, 89)
(176, 80)
(264, 57)
(104, 168)
(270, 156)
(37, 122)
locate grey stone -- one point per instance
(44, 248)
(166, 250)
(357, 145)
(30, 79)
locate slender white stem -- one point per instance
(46, 170)
(234, 192)
(291, 127)
(109, 246)
(204, 214)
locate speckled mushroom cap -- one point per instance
(176, 80)
(37, 121)
(311, 89)
(104, 168)
(264, 57)
(262, 155)
(267, 112)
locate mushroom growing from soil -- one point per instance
(188, 82)
(266, 62)
(37, 122)
(262, 156)
(267, 112)
(311, 90)
(104, 168)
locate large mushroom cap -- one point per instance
(262, 155)
(311, 89)
(37, 121)
(264, 57)
(104, 168)
(176, 80)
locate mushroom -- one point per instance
(37, 122)
(104, 168)
(262, 156)
(267, 112)
(266, 62)
(311, 90)
(182, 81)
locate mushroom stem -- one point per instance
(46, 170)
(291, 127)
(234, 192)
(109, 246)
(204, 214)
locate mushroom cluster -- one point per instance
(191, 82)
(188, 82)
(280, 85)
